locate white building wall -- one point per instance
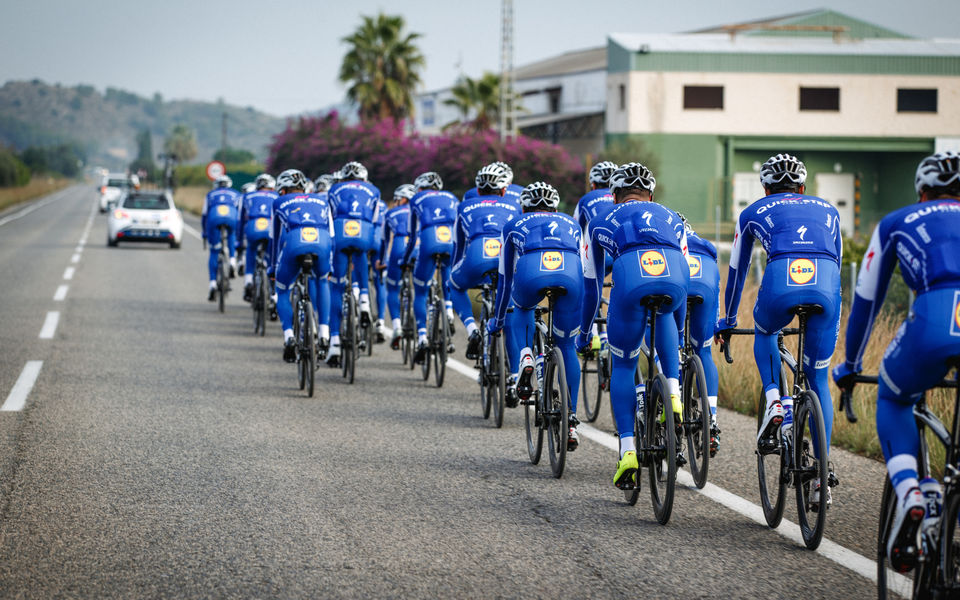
(768, 104)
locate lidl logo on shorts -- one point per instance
(653, 263)
(262, 223)
(802, 271)
(955, 326)
(551, 261)
(351, 228)
(223, 210)
(443, 234)
(696, 267)
(309, 234)
(491, 247)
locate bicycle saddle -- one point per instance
(656, 300)
(306, 260)
(806, 309)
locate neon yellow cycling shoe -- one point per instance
(626, 470)
(677, 408)
(595, 344)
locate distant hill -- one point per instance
(36, 113)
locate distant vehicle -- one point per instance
(145, 216)
(112, 188)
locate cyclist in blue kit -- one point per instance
(597, 202)
(649, 247)
(433, 214)
(511, 194)
(220, 208)
(480, 221)
(924, 240)
(256, 214)
(541, 249)
(377, 260)
(396, 233)
(356, 204)
(302, 224)
(802, 238)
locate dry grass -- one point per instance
(38, 186)
(740, 388)
(190, 198)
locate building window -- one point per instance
(553, 96)
(912, 100)
(427, 110)
(703, 96)
(623, 97)
(819, 98)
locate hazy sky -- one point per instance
(282, 57)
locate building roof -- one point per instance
(577, 61)
(794, 24)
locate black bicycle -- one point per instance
(351, 339)
(304, 324)
(438, 326)
(937, 574)
(792, 460)
(261, 290)
(223, 268)
(408, 323)
(492, 360)
(592, 390)
(696, 404)
(548, 410)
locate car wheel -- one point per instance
(111, 243)
(175, 245)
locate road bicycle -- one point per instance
(352, 341)
(261, 290)
(492, 360)
(798, 458)
(547, 411)
(408, 323)
(438, 327)
(696, 404)
(305, 324)
(223, 268)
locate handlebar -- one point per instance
(724, 339)
(846, 395)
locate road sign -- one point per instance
(215, 170)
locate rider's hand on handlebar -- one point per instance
(584, 343)
(843, 376)
(494, 325)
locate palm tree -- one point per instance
(478, 97)
(382, 68)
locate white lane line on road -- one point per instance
(26, 211)
(21, 389)
(50, 325)
(79, 248)
(68, 273)
(192, 231)
(61, 294)
(857, 563)
(75, 258)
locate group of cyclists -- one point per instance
(517, 237)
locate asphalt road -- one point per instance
(165, 452)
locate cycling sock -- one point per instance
(423, 338)
(471, 327)
(902, 469)
(334, 340)
(772, 395)
(324, 330)
(595, 330)
(712, 400)
(213, 284)
(396, 324)
(673, 385)
(287, 334)
(628, 443)
(248, 279)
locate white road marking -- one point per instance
(21, 389)
(68, 273)
(192, 231)
(859, 564)
(79, 248)
(29, 209)
(61, 293)
(75, 258)
(50, 325)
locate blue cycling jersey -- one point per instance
(788, 226)
(699, 245)
(256, 205)
(292, 211)
(595, 202)
(431, 209)
(228, 197)
(355, 200)
(482, 216)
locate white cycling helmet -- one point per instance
(600, 173)
(404, 191)
(783, 167)
(540, 195)
(223, 182)
(428, 181)
(248, 187)
(309, 187)
(291, 179)
(265, 180)
(506, 169)
(938, 170)
(323, 182)
(492, 176)
(353, 171)
(632, 176)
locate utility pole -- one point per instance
(508, 124)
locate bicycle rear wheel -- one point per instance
(497, 378)
(442, 337)
(485, 363)
(348, 337)
(299, 325)
(557, 403)
(222, 283)
(696, 419)
(912, 584)
(772, 475)
(431, 319)
(310, 364)
(809, 442)
(661, 449)
(632, 495)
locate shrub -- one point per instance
(12, 170)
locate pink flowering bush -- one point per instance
(319, 145)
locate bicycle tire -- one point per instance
(311, 346)
(887, 586)
(298, 323)
(557, 401)
(264, 294)
(498, 383)
(442, 337)
(949, 546)
(255, 304)
(696, 420)
(348, 337)
(591, 402)
(808, 420)
(431, 318)
(486, 363)
(631, 496)
(532, 419)
(661, 449)
(221, 285)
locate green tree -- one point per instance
(182, 143)
(479, 98)
(382, 68)
(234, 156)
(144, 158)
(12, 170)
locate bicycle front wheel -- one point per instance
(222, 283)
(696, 419)
(809, 443)
(485, 363)
(497, 378)
(299, 329)
(557, 404)
(441, 336)
(348, 337)
(590, 394)
(661, 449)
(310, 364)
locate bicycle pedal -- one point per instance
(681, 459)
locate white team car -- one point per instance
(112, 188)
(145, 216)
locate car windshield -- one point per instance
(146, 202)
(120, 183)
